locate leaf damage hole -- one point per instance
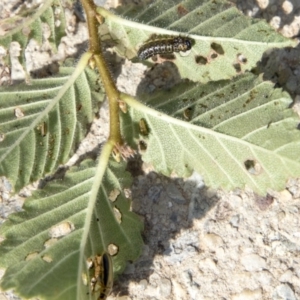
(2, 137)
(217, 48)
(187, 114)
(47, 258)
(142, 146)
(61, 229)
(113, 195)
(237, 67)
(89, 263)
(214, 55)
(19, 113)
(201, 60)
(50, 242)
(127, 193)
(112, 249)
(298, 127)
(84, 278)
(31, 256)
(118, 215)
(241, 58)
(253, 167)
(79, 107)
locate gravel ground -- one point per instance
(199, 243)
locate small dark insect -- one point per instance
(144, 129)
(176, 44)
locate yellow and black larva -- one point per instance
(167, 45)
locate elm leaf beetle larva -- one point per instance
(166, 45)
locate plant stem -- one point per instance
(112, 93)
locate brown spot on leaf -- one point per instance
(181, 10)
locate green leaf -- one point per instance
(235, 133)
(41, 124)
(28, 25)
(47, 246)
(226, 42)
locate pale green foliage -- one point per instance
(30, 25)
(226, 42)
(41, 123)
(45, 248)
(44, 262)
(234, 133)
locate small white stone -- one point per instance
(212, 241)
(283, 292)
(286, 276)
(208, 265)
(285, 196)
(275, 22)
(253, 262)
(263, 4)
(248, 295)
(264, 278)
(287, 7)
(143, 284)
(165, 287)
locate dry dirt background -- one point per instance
(199, 243)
